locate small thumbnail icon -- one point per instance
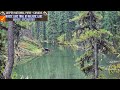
(2, 17)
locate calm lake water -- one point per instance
(57, 64)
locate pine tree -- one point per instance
(2, 52)
(111, 22)
(69, 27)
(94, 40)
(61, 20)
(52, 26)
(37, 29)
(65, 27)
(44, 31)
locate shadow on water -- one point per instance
(56, 64)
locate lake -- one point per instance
(58, 64)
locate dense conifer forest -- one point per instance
(70, 45)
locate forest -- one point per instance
(70, 45)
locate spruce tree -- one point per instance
(95, 41)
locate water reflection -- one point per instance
(58, 64)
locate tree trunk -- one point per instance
(96, 59)
(32, 28)
(44, 31)
(95, 50)
(37, 29)
(9, 65)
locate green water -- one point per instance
(57, 64)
